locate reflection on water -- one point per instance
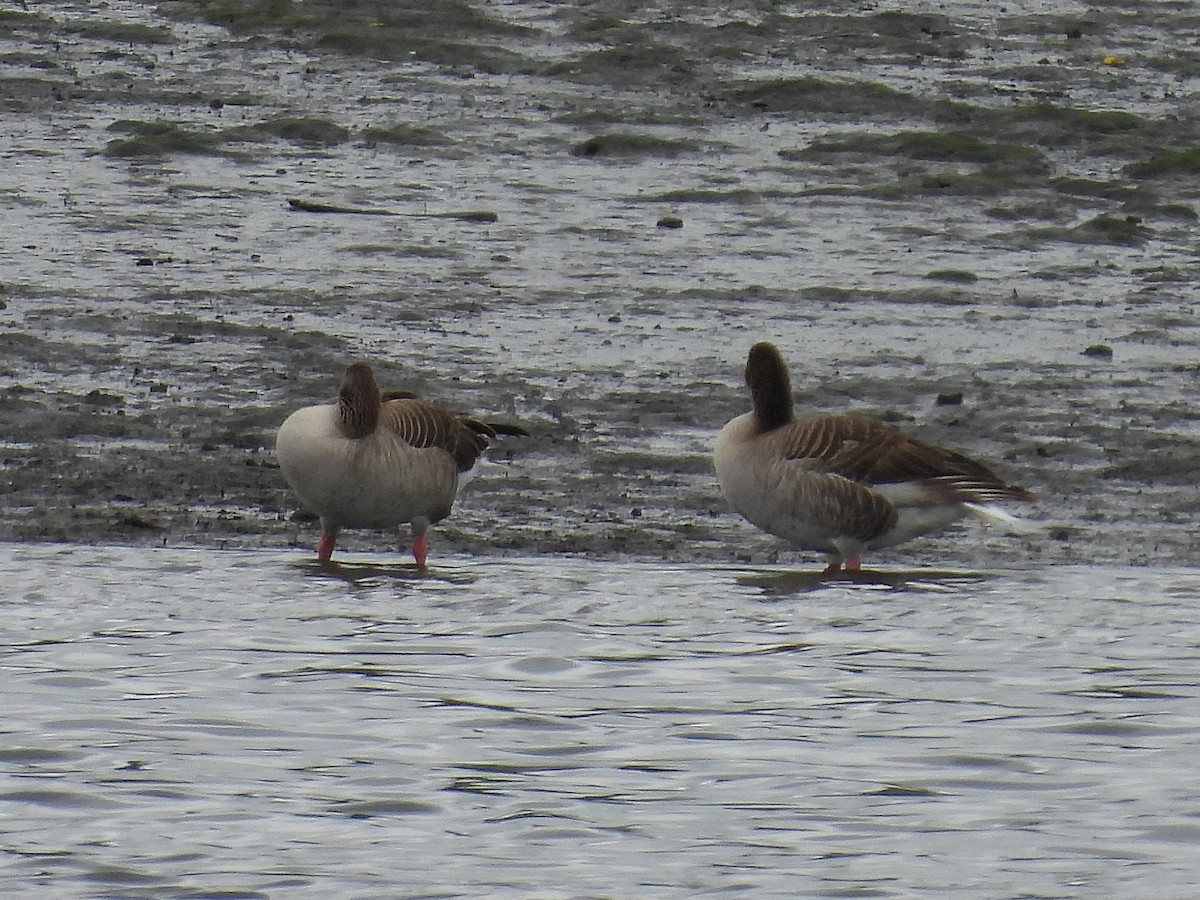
(182, 724)
(377, 573)
(787, 583)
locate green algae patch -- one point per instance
(596, 28)
(828, 295)
(810, 95)
(736, 196)
(1102, 229)
(317, 18)
(1042, 124)
(632, 144)
(1091, 187)
(158, 139)
(1106, 229)
(443, 33)
(985, 183)
(15, 20)
(929, 162)
(1075, 120)
(122, 32)
(402, 135)
(638, 62)
(306, 130)
(982, 184)
(162, 138)
(953, 276)
(252, 16)
(936, 146)
(614, 116)
(1167, 163)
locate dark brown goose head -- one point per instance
(770, 388)
(359, 401)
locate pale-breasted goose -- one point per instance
(375, 459)
(842, 484)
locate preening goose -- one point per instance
(374, 459)
(842, 484)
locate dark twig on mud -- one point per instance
(479, 215)
(468, 215)
(310, 206)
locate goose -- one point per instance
(843, 484)
(378, 459)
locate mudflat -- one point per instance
(976, 223)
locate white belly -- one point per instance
(374, 482)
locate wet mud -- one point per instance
(974, 221)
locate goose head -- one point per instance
(770, 387)
(359, 401)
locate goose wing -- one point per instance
(873, 453)
(424, 425)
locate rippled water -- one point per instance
(203, 724)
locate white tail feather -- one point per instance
(994, 515)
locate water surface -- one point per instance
(244, 724)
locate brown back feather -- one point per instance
(422, 424)
(871, 452)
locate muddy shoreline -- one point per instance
(913, 204)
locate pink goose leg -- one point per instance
(420, 549)
(326, 544)
(852, 564)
